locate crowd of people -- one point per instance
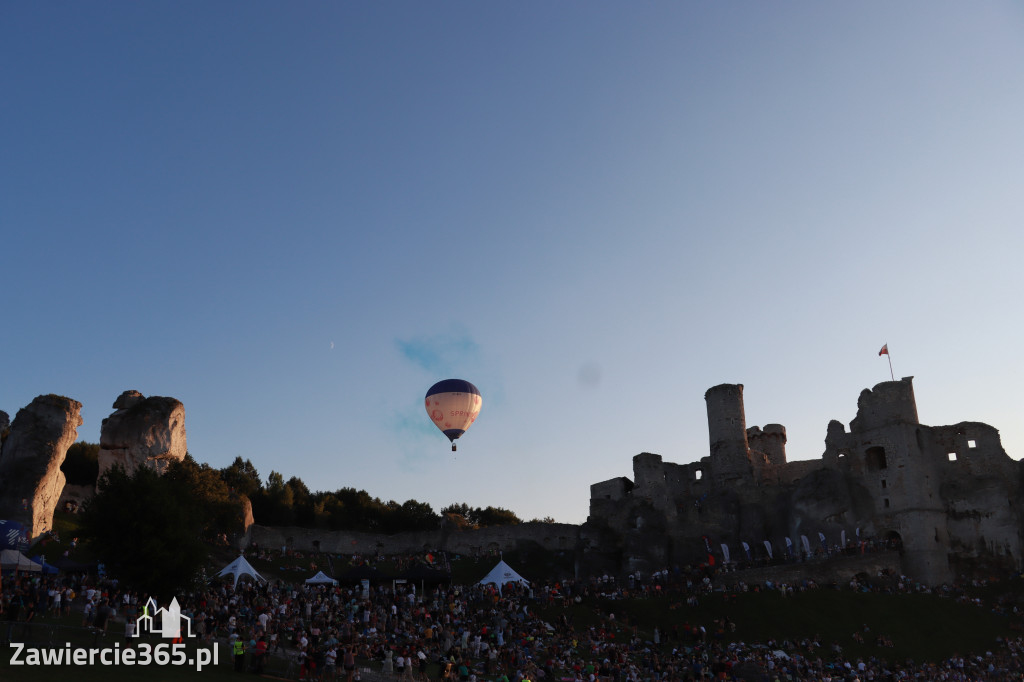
(473, 633)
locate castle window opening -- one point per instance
(971, 444)
(952, 457)
(697, 474)
(886, 502)
(875, 458)
(883, 483)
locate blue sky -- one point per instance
(295, 218)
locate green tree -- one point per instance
(302, 503)
(275, 482)
(221, 509)
(362, 511)
(462, 509)
(415, 515)
(494, 516)
(242, 477)
(147, 529)
(274, 504)
(459, 514)
(81, 465)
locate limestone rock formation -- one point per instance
(31, 481)
(143, 432)
(5, 421)
(247, 517)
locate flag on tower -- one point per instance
(884, 351)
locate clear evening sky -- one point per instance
(296, 217)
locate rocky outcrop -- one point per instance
(142, 432)
(247, 517)
(31, 481)
(5, 422)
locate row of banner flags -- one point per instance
(805, 545)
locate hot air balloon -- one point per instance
(453, 405)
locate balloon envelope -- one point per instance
(453, 405)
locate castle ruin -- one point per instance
(945, 495)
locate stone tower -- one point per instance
(771, 441)
(905, 481)
(727, 431)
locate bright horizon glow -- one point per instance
(296, 218)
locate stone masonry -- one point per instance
(946, 495)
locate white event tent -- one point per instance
(12, 559)
(501, 574)
(240, 567)
(321, 578)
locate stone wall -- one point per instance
(943, 492)
(550, 536)
(838, 570)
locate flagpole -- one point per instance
(888, 357)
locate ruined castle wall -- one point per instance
(890, 402)
(972, 448)
(980, 484)
(925, 545)
(648, 474)
(838, 570)
(839, 448)
(943, 491)
(899, 473)
(982, 518)
(792, 472)
(652, 484)
(606, 496)
(550, 536)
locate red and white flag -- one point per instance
(884, 351)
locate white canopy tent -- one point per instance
(321, 578)
(12, 559)
(501, 574)
(240, 567)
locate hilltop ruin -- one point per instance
(946, 495)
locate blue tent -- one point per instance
(13, 535)
(47, 568)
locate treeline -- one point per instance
(280, 502)
(284, 503)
